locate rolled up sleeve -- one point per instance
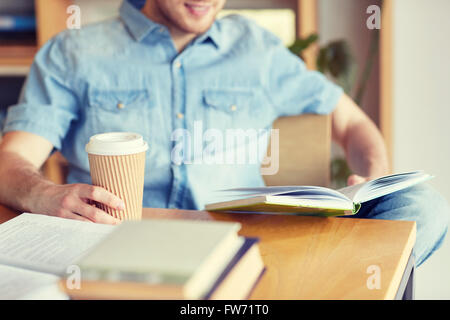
(294, 89)
(47, 104)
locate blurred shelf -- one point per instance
(15, 60)
(17, 53)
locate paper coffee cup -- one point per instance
(117, 163)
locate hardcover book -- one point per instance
(314, 200)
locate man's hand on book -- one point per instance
(356, 179)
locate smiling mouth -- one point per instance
(198, 9)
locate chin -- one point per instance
(197, 16)
(196, 28)
(191, 16)
(195, 24)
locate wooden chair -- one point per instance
(51, 19)
(304, 151)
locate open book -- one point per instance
(36, 250)
(314, 200)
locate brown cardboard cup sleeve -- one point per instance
(117, 163)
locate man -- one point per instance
(164, 68)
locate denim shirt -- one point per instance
(125, 74)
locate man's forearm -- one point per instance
(27, 190)
(362, 141)
(21, 181)
(365, 150)
(24, 188)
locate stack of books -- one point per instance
(170, 259)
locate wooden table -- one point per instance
(319, 258)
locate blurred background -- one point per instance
(399, 74)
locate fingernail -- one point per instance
(121, 206)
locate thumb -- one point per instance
(355, 179)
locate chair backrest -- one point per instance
(304, 151)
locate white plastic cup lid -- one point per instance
(116, 144)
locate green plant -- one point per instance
(336, 61)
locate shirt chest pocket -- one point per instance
(236, 108)
(119, 110)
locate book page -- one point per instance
(292, 192)
(384, 185)
(47, 244)
(351, 191)
(16, 283)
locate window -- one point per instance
(281, 22)
(277, 16)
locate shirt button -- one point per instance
(120, 105)
(178, 64)
(161, 30)
(180, 115)
(233, 107)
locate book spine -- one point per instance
(356, 207)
